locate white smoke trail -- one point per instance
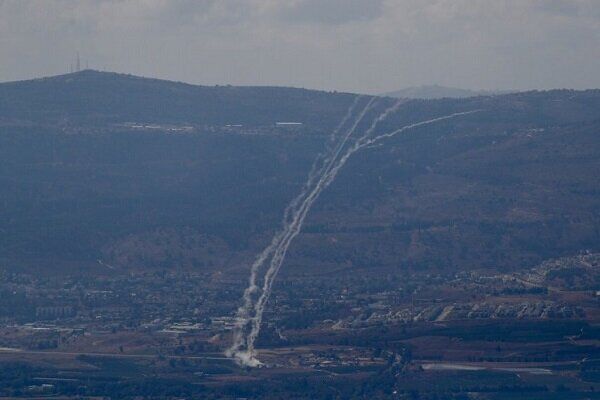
(279, 246)
(283, 239)
(411, 126)
(243, 313)
(365, 141)
(322, 159)
(325, 179)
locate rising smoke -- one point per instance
(322, 174)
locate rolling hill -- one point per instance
(93, 166)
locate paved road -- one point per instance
(5, 350)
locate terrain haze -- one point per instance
(457, 252)
(300, 199)
(504, 188)
(373, 46)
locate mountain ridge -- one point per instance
(439, 92)
(88, 95)
(503, 188)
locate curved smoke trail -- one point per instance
(325, 179)
(250, 314)
(243, 312)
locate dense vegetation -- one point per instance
(504, 188)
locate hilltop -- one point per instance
(93, 97)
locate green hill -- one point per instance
(504, 188)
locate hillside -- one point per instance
(505, 188)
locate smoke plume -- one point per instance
(323, 172)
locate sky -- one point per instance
(368, 46)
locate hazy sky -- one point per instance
(353, 45)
